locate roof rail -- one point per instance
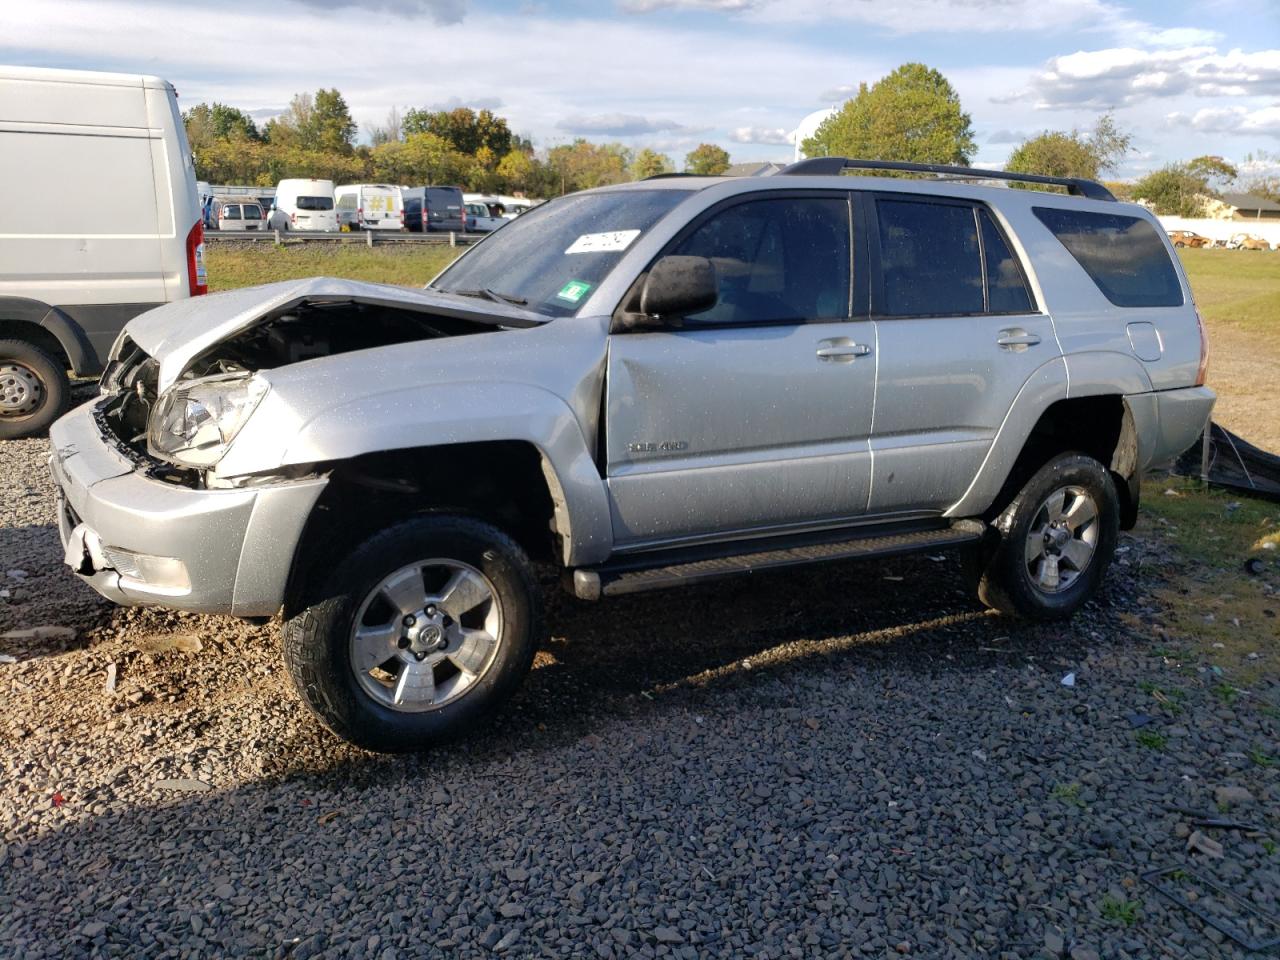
(834, 166)
(670, 176)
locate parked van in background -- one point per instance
(72, 273)
(236, 213)
(434, 209)
(369, 206)
(309, 204)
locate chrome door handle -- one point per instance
(841, 350)
(1017, 337)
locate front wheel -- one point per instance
(418, 635)
(33, 389)
(1056, 539)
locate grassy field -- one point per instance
(244, 265)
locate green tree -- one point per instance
(1174, 190)
(465, 129)
(706, 160)
(1075, 154)
(319, 123)
(206, 123)
(649, 163)
(1215, 171)
(582, 165)
(912, 114)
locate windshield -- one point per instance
(315, 203)
(553, 257)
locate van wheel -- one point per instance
(418, 635)
(1056, 539)
(33, 389)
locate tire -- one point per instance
(33, 389)
(362, 698)
(1017, 580)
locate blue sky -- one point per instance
(1186, 77)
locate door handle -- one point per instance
(1017, 337)
(841, 350)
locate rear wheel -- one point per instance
(1056, 539)
(33, 389)
(418, 635)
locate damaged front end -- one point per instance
(176, 427)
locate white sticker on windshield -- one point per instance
(603, 242)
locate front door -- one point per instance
(754, 415)
(959, 335)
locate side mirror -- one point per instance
(679, 286)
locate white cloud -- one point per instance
(838, 94)
(1007, 136)
(1231, 120)
(617, 125)
(1123, 75)
(722, 6)
(771, 135)
(439, 11)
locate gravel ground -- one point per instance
(834, 762)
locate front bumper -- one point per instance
(221, 551)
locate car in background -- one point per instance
(1247, 241)
(309, 205)
(1188, 238)
(73, 273)
(434, 210)
(236, 213)
(481, 218)
(369, 206)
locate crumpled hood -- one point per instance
(178, 332)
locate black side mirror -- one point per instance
(679, 286)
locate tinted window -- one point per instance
(231, 211)
(315, 203)
(929, 259)
(252, 211)
(776, 260)
(1006, 287)
(556, 257)
(1124, 255)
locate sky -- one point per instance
(1185, 77)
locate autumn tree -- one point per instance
(206, 123)
(582, 165)
(912, 114)
(706, 160)
(465, 129)
(1075, 154)
(649, 163)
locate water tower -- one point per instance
(808, 127)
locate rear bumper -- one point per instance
(1181, 415)
(221, 551)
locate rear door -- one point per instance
(959, 334)
(755, 415)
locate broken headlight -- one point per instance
(195, 420)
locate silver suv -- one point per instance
(645, 385)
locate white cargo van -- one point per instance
(370, 206)
(308, 204)
(74, 267)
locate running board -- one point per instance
(638, 573)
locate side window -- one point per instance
(929, 259)
(232, 211)
(1006, 286)
(1124, 255)
(776, 260)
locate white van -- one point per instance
(76, 266)
(308, 204)
(370, 206)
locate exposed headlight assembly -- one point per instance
(195, 420)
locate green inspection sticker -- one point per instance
(573, 291)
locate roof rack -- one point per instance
(670, 176)
(834, 166)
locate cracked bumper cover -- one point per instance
(220, 551)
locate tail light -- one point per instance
(1204, 351)
(197, 279)
(293, 218)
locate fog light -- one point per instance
(166, 575)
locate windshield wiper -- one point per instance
(490, 294)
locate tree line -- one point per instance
(474, 149)
(912, 114)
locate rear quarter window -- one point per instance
(1123, 255)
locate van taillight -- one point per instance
(1204, 351)
(196, 276)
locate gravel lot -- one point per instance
(834, 762)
